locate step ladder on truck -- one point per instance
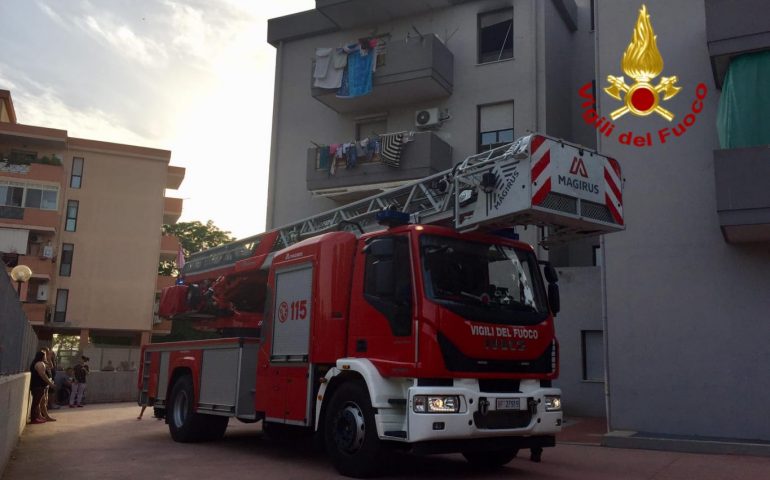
(412, 319)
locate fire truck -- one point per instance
(412, 319)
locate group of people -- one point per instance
(44, 382)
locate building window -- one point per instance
(72, 216)
(495, 35)
(371, 127)
(42, 197)
(11, 194)
(77, 172)
(743, 104)
(495, 125)
(593, 355)
(60, 312)
(65, 266)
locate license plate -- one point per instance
(508, 403)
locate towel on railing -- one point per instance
(390, 152)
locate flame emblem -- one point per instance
(642, 62)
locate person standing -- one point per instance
(49, 386)
(79, 387)
(38, 384)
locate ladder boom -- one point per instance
(536, 180)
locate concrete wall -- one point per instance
(580, 290)
(107, 387)
(688, 313)
(14, 404)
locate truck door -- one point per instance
(289, 363)
(382, 302)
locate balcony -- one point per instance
(743, 199)
(30, 218)
(730, 32)
(425, 155)
(32, 171)
(169, 247)
(416, 72)
(164, 281)
(174, 177)
(35, 312)
(172, 209)
(41, 267)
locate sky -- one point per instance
(191, 76)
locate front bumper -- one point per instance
(479, 415)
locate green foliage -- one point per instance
(65, 342)
(194, 237)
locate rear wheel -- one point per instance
(184, 423)
(490, 460)
(350, 433)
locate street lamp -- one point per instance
(20, 274)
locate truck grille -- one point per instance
(596, 211)
(496, 420)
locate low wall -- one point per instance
(107, 387)
(14, 405)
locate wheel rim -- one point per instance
(350, 429)
(180, 409)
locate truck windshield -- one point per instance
(482, 281)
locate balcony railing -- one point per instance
(169, 247)
(730, 32)
(35, 312)
(743, 199)
(172, 209)
(425, 155)
(39, 266)
(413, 72)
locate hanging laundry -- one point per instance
(357, 81)
(351, 156)
(391, 148)
(324, 158)
(329, 68)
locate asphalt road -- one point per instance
(107, 442)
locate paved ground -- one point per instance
(106, 442)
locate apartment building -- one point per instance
(662, 326)
(85, 216)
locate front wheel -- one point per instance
(350, 433)
(184, 423)
(491, 459)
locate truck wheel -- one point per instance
(184, 423)
(350, 434)
(490, 460)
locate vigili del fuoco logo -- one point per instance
(641, 96)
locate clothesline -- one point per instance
(386, 146)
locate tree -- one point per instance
(194, 237)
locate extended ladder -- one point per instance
(536, 180)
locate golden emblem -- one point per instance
(642, 62)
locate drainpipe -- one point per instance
(270, 214)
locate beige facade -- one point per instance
(94, 240)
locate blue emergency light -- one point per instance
(392, 218)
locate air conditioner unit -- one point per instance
(42, 292)
(426, 118)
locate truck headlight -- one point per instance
(436, 403)
(552, 403)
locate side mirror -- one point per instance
(380, 247)
(383, 282)
(553, 298)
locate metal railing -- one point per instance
(18, 341)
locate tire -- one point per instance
(187, 426)
(490, 460)
(350, 434)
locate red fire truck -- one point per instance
(413, 319)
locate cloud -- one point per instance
(124, 40)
